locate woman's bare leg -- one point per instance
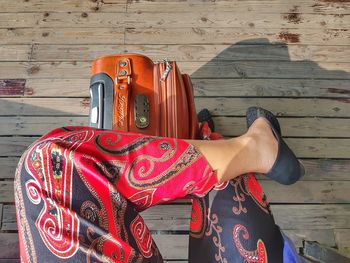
(254, 151)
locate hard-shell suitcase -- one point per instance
(130, 92)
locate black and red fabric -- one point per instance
(79, 191)
(235, 222)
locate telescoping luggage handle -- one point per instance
(101, 104)
(97, 111)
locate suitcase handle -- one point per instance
(100, 105)
(101, 101)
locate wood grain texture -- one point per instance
(291, 57)
(342, 238)
(61, 35)
(299, 88)
(164, 19)
(10, 6)
(220, 106)
(262, 69)
(197, 35)
(37, 125)
(224, 106)
(9, 245)
(8, 167)
(15, 52)
(6, 192)
(49, 87)
(271, 87)
(265, 6)
(319, 253)
(9, 222)
(44, 106)
(242, 51)
(1, 214)
(239, 51)
(213, 70)
(14, 146)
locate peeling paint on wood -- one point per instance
(12, 87)
(289, 37)
(33, 69)
(293, 16)
(338, 91)
(85, 102)
(344, 100)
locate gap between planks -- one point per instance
(236, 52)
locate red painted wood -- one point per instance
(12, 87)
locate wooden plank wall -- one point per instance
(291, 57)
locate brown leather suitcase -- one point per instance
(130, 92)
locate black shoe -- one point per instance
(287, 169)
(204, 115)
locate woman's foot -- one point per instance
(260, 150)
(264, 143)
(280, 165)
(254, 151)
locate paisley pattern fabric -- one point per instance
(235, 223)
(79, 192)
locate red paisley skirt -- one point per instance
(79, 192)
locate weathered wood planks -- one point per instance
(8, 167)
(195, 35)
(300, 88)
(289, 56)
(230, 36)
(303, 6)
(9, 6)
(213, 70)
(62, 36)
(219, 106)
(271, 87)
(164, 19)
(240, 51)
(268, 7)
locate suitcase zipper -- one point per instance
(168, 106)
(163, 102)
(172, 106)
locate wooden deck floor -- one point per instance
(292, 57)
